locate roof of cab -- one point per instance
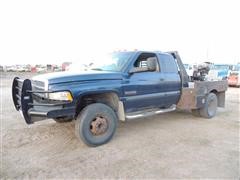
(142, 51)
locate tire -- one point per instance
(210, 107)
(96, 124)
(63, 119)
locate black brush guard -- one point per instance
(22, 95)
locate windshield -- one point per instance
(115, 62)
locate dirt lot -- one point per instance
(172, 145)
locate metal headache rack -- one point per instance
(24, 101)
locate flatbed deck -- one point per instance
(194, 96)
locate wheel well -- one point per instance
(110, 98)
(220, 97)
(214, 91)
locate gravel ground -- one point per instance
(172, 145)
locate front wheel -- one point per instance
(96, 124)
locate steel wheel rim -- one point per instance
(98, 126)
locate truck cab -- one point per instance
(151, 83)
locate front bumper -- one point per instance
(31, 110)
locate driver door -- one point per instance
(143, 89)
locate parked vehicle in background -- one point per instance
(12, 68)
(219, 72)
(57, 68)
(65, 65)
(234, 76)
(41, 68)
(23, 68)
(18, 68)
(76, 67)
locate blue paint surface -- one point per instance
(137, 90)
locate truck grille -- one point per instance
(38, 86)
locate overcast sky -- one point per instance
(56, 31)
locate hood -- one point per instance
(67, 76)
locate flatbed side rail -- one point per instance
(195, 97)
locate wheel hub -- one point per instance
(98, 126)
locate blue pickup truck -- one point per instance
(130, 85)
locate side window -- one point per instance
(168, 63)
(141, 61)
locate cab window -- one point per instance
(168, 63)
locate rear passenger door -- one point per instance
(171, 82)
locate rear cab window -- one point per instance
(167, 63)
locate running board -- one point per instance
(146, 113)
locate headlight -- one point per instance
(61, 96)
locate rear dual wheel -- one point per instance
(210, 107)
